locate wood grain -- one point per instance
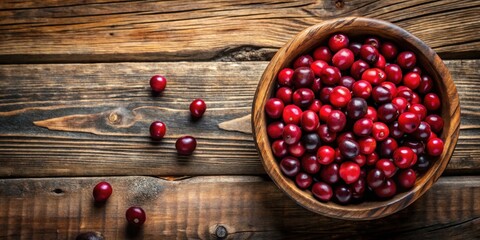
(93, 31)
(99, 115)
(247, 207)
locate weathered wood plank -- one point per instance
(89, 31)
(92, 119)
(248, 207)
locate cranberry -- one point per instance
(324, 112)
(346, 81)
(403, 156)
(355, 48)
(309, 121)
(135, 216)
(369, 53)
(198, 108)
(324, 94)
(372, 158)
(311, 141)
(303, 180)
(186, 145)
(330, 75)
(426, 84)
(362, 89)
(360, 159)
(408, 122)
(372, 41)
(415, 98)
(394, 73)
(391, 87)
(387, 113)
(431, 102)
(419, 110)
(423, 163)
(406, 60)
(406, 178)
(435, 122)
(357, 69)
(358, 188)
(423, 132)
(326, 135)
(336, 121)
(322, 191)
(322, 53)
(296, 149)
(303, 97)
(344, 136)
(349, 172)
(338, 156)
(387, 167)
(292, 114)
(275, 130)
(290, 166)
(279, 148)
(405, 93)
(285, 77)
(380, 131)
(343, 194)
(417, 70)
(315, 106)
(388, 50)
(158, 83)
(387, 189)
(380, 63)
(395, 131)
(435, 147)
(340, 96)
(349, 148)
(363, 127)
(416, 146)
(157, 130)
(375, 178)
(374, 76)
(284, 94)
(387, 147)
(303, 77)
(411, 80)
(102, 191)
(357, 108)
(338, 41)
(318, 66)
(343, 59)
(274, 108)
(372, 114)
(292, 133)
(303, 61)
(325, 155)
(367, 145)
(381, 94)
(310, 164)
(329, 173)
(401, 104)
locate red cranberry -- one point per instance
(303, 77)
(330, 75)
(343, 59)
(419, 110)
(372, 158)
(338, 156)
(380, 131)
(357, 108)
(310, 164)
(388, 50)
(303, 61)
(395, 131)
(374, 76)
(186, 145)
(343, 194)
(435, 147)
(303, 97)
(284, 94)
(325, 155)
(417, 70)
(157, 130)
(431, 102)
(372, 114)
(358, 188)
(292, 134)
(408, 122)
(311, 141)
(274, 108)
(326, 135)
(158, 83)
(381, 94)
(285, 77)
(415, 98)
(362, 89)
(426, 84)
(375, 178)
(279, 148)
(387, 167)
(423, 132)
(387, 113)
(367, 145)
(373, 41)
(318, 66)
(346, 81)
(340, 96)
(416, 146)
(391, 87)
(322, 53)
(405, 93)
(198, 108)
(387, 189)
(315, 106)
(338, 41)
(349, 172)
(394, 73)
(380, 63)
(355, 48)
(329, 173)
(292, 114)
(324, 94)
(344, 136)
(403, 157)
(324, 112)
(360, 159)
(363, 127)
(322, 191)
(411, 80)
(102, 191)
(369, 53)
(406, 178)
(401, 104)
(387, 147)
(135, 216)
(309, 121)
(336, 121)
(357, 69)
(406, 60)
(303, 180)
(290, 166)
(296, 149)
(435, 122)
(349, 148)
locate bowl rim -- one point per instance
(366, 210)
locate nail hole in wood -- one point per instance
(221, 232)
(57, 191)
(339, 4)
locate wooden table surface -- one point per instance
(75, 107)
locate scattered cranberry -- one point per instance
(186, 145)
(311, 141)
(362, 89)
(303, 180)
(349, 148)
(357, 108)
(285, 77)
(411, 80)
(329, 173)
(435, 122)
(291, 114)
(375, 178)
(325, 134)
(388, 50)
(275, 129)
(357, 69)
(431, 102)
(102, 191)
(310, 164)
(273, 108)
(303, 77)
(279, 148)
(303, 61)
(343, 194)
(435, 147)
(296, 149)
(198, 107)
(387, 189)
(303, 97)
(330, 75)
(408, 122)
(336, 121)
(135, 216)
(403, 156)
(325, 155)
(322, 53)
(292, 133)
(322, 191)
(380, 131)
(363, 127)
(157, 130)
(284, 94)
(367, 145)
(426, 84)
(318, 66)
(343, 59)
(340, 96)
(374, 76)
(406, 60)
(394, 73)
(338, 41)
(158, 83)
(349, 172)
(290, 166)
(406, 178)
(387, 167)
(369, 53)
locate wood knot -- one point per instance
(339, 4)
(114, 118)
(221, 232)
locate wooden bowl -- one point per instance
(305, 42)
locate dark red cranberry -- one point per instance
(322, 191)
(157, 130)
(303, 77)
(158, 83)
(198, 108)
(419, 110)
(330, 75)
(403, 157)
(369, 53)
(310, 164)
(423, 132)
(417, 70)
(406, 178)
(336, 121)
(401, 104)
(292, 134)
(360, 159)
(380, 63)
(411, 80)
(275, 130)
(324, 112)
(303, 61)
(387, 113)
(405, 93)
(325, 155)
(387, 189)
(362, 89)
(372, 41)
(347, 82)
(391, 87)
(355, 48)
(135, 216)
(372, 114)
(417, 146)
(309, 121)
(388, 50)
(285, 77)
(338, 156)
(296, 149)
(274, 108)
(311, 141)
(406, 60)
(375, 178)
(343, 59)
(292, 114)
(279, 148)
(387, 167)
(387, 147)
(435, 147)
(357, 108)
(426, 84)
(338, 41)
(303, 97)
(329, 173)
(344, 136)
(374, 76)
(372, 158)
(324, 94)
(408, 122)
(186, 145)
(415, 98)
(322, 53)
(435, 122)
(423, 164)
(303, 180)
(315, 106)
(340, 96)
(380, 131)
(349, 172)
(358, 188)
(326, 135)
(290, 166)
(395, 131)
(363, 127)
(357, 69)
(343, 194)
(318, 66)
(349, 148)
(102, 191)
(284, 94)
(367, 145)
(431, 102)
(381, 94)
(394, 73)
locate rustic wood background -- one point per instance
(75, 107)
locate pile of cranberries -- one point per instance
(354, 120)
